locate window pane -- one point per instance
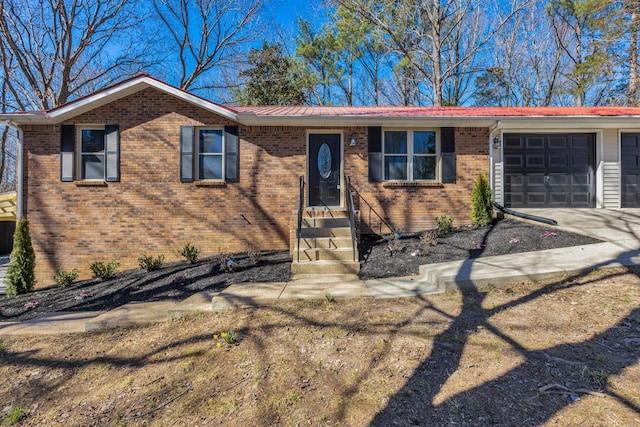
(211, 141)
(210, 167)
(93, 166)
(395, 142)
(395, 167)
(424, 142)
(92, 141)
(424, 167)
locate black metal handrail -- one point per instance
(372, 210)
(351, 210)
(300, 207)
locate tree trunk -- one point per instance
(632, 97)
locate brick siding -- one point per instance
(149, 211)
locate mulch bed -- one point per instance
(381, 256)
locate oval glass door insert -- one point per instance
(324, 160)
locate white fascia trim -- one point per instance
(135, 85)
(19, 119)
(507, 123)
(543, 124)
(251, 119)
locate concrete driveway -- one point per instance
(620, 226)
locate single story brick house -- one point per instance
(142, 167)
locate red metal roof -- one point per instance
(302, 111)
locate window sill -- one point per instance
(210, 184)
(90, 183)
(402, 184)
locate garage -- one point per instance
(549, 170)
(630, 170)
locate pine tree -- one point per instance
(481, 203)
(21, 273)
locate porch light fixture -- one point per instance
(496, 142)
(352, 141)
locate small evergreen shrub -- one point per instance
(103, 270)
(444, 224)
(149, 263)
(65, 278)
(21, 272)
(481, 204)
(190, 253)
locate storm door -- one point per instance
(323, 166)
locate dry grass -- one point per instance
(560, 352)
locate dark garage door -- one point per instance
(549, 170)
(630, 154)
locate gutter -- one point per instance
(19, 166)
(492, 130)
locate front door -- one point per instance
(324, 169)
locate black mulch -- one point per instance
(381, 257)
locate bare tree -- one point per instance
(207, 34)
(633, 9)
(447, 35)
(589, 31)
(526, 64)
(54, 50)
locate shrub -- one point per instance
(254, 254)
(429, 238)
(444, 224)
(225, 262)
(65, 278)
(149, 263)
(21, 272)
(395, 245)
(102, 270)
(481, 204)
(190, 253)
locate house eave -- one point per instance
(507, 122)
(108, 95)
(250, 119)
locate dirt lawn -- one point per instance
(561, 352)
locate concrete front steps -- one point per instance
(326, 245)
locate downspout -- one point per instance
(492, 130)
(19, 171)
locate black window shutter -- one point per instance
(448, 155)
(186, 153)
(112, 152)
(231, 152)
(67, 148)
(375, 153)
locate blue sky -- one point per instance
(285, 13)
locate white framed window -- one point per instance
(210, 154)
(92, 153)
(410, 155)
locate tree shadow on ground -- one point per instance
(424, 398)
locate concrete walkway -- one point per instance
(619, 229)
